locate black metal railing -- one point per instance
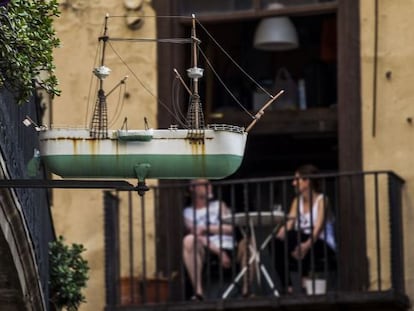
(17, 145)
(144, 249)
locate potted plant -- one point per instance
(68, 275)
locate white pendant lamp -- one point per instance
(275, 33)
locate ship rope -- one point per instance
(257, 84)
(119, 106)
(145, 87)
(176, 102)
(94, 100)
(223, 84)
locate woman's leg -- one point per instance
(284, 262)
(324, 258)
(279, 252)
(294, 238)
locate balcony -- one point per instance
(144, 237)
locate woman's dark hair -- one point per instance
(309, 169)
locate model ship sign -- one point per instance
(196, 150)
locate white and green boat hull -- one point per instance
(167, 154)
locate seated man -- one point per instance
(205, 233)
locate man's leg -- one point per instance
(193, 255)
(243, 256)
(225, 260)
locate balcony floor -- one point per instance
(332, 301)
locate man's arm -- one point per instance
(226, 229)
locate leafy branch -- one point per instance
(27, 40)
(68, 274)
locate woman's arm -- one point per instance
(290, 221)
(319, 222)
(304, 247)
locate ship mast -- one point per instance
(99, 124)
(195, 115)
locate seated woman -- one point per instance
(309, 230)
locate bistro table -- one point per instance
(250, 220)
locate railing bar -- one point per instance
(273, 225)
(220, 199)
(353, 241)
(157, 275)
(195, 240)
(131, 248)
(257, 232)
(182, 267)
(299, 229)
(352, 181)
(312, 249)
(326, 216)
(111, 250)
(286, 260)
(208, 254)
(396, 231)
(377, 235)
(337, 230)
(233, 211)
(144, 263)
(272, 205)
(249, 234)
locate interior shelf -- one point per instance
(255, 14)
(313, 120)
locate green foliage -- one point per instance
(27, 40)
(68, 274)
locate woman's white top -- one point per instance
(305, 224)
(213, 214)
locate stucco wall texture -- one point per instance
(392, 146)
(78, 214)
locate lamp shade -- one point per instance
(276, 33)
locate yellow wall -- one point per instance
(392, 147)
(78, 215)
